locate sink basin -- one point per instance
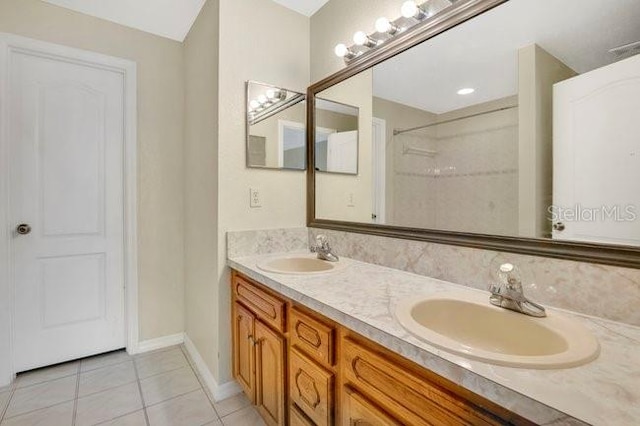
(466, 324)
(299, 265)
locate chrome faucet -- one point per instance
(323, 249)
(508, 293)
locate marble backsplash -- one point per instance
(600, 290)
(265, 241)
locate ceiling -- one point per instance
(167, 18)
(483, 53)
(305, 7)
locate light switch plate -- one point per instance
(255, 198)
(351, 200)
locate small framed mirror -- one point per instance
(336, 141)
(276, 127)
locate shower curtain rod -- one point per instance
(397, 132)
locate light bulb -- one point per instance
(383, 25)
(466, 91)
(409, 9)
(254, 104)
(262, 99)
(271, 93)
(341, 50)
(360, 38)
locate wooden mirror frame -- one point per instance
(463, 10)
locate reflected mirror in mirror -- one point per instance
(276, 130)
(336, 141)
(523, 121)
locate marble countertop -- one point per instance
(363, 297)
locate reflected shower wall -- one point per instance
(460, 172)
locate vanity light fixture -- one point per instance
(384, 26)
(412, 14)
(342, 51)
(267, 100)
(410, 9)
(362, 39)
(466, 91)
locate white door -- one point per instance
(66, 137)
(596, 158)
(342, 152)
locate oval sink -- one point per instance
(466, 323)
(299, 264)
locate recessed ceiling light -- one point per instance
(466, 91)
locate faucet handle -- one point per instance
(494, 289)
(322, 242)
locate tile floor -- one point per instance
(154, 389)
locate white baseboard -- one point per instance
(219, 392)
(158, 343)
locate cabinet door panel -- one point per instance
(243, 349)
(312, 336)
(357, 411)
(297, 418)
(311, 388)
(270, 375)
(410, 397)
(269, 309)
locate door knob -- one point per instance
(23, 229)
(558, 226)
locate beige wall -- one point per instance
(335, 120)
(160, 135)
(538, 72)
(259, 40)
(201, 181)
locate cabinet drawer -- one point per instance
(313, 337)
(311, 388)
(268, 308)
(358, 411)
(412, 398)
(297, 418)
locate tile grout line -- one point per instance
(175, 397)
(12, 391)
(144, 405)
(164, 372)
(195, 372)
(106, 366)
(95, 392)
(75, 400)
(16, 389)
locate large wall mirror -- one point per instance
(515, 130)
(276, 129)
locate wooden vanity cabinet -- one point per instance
(243, 350)
(302, 369)
(259, 348)
(409, 393)
(358, 411)
(312, 375)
